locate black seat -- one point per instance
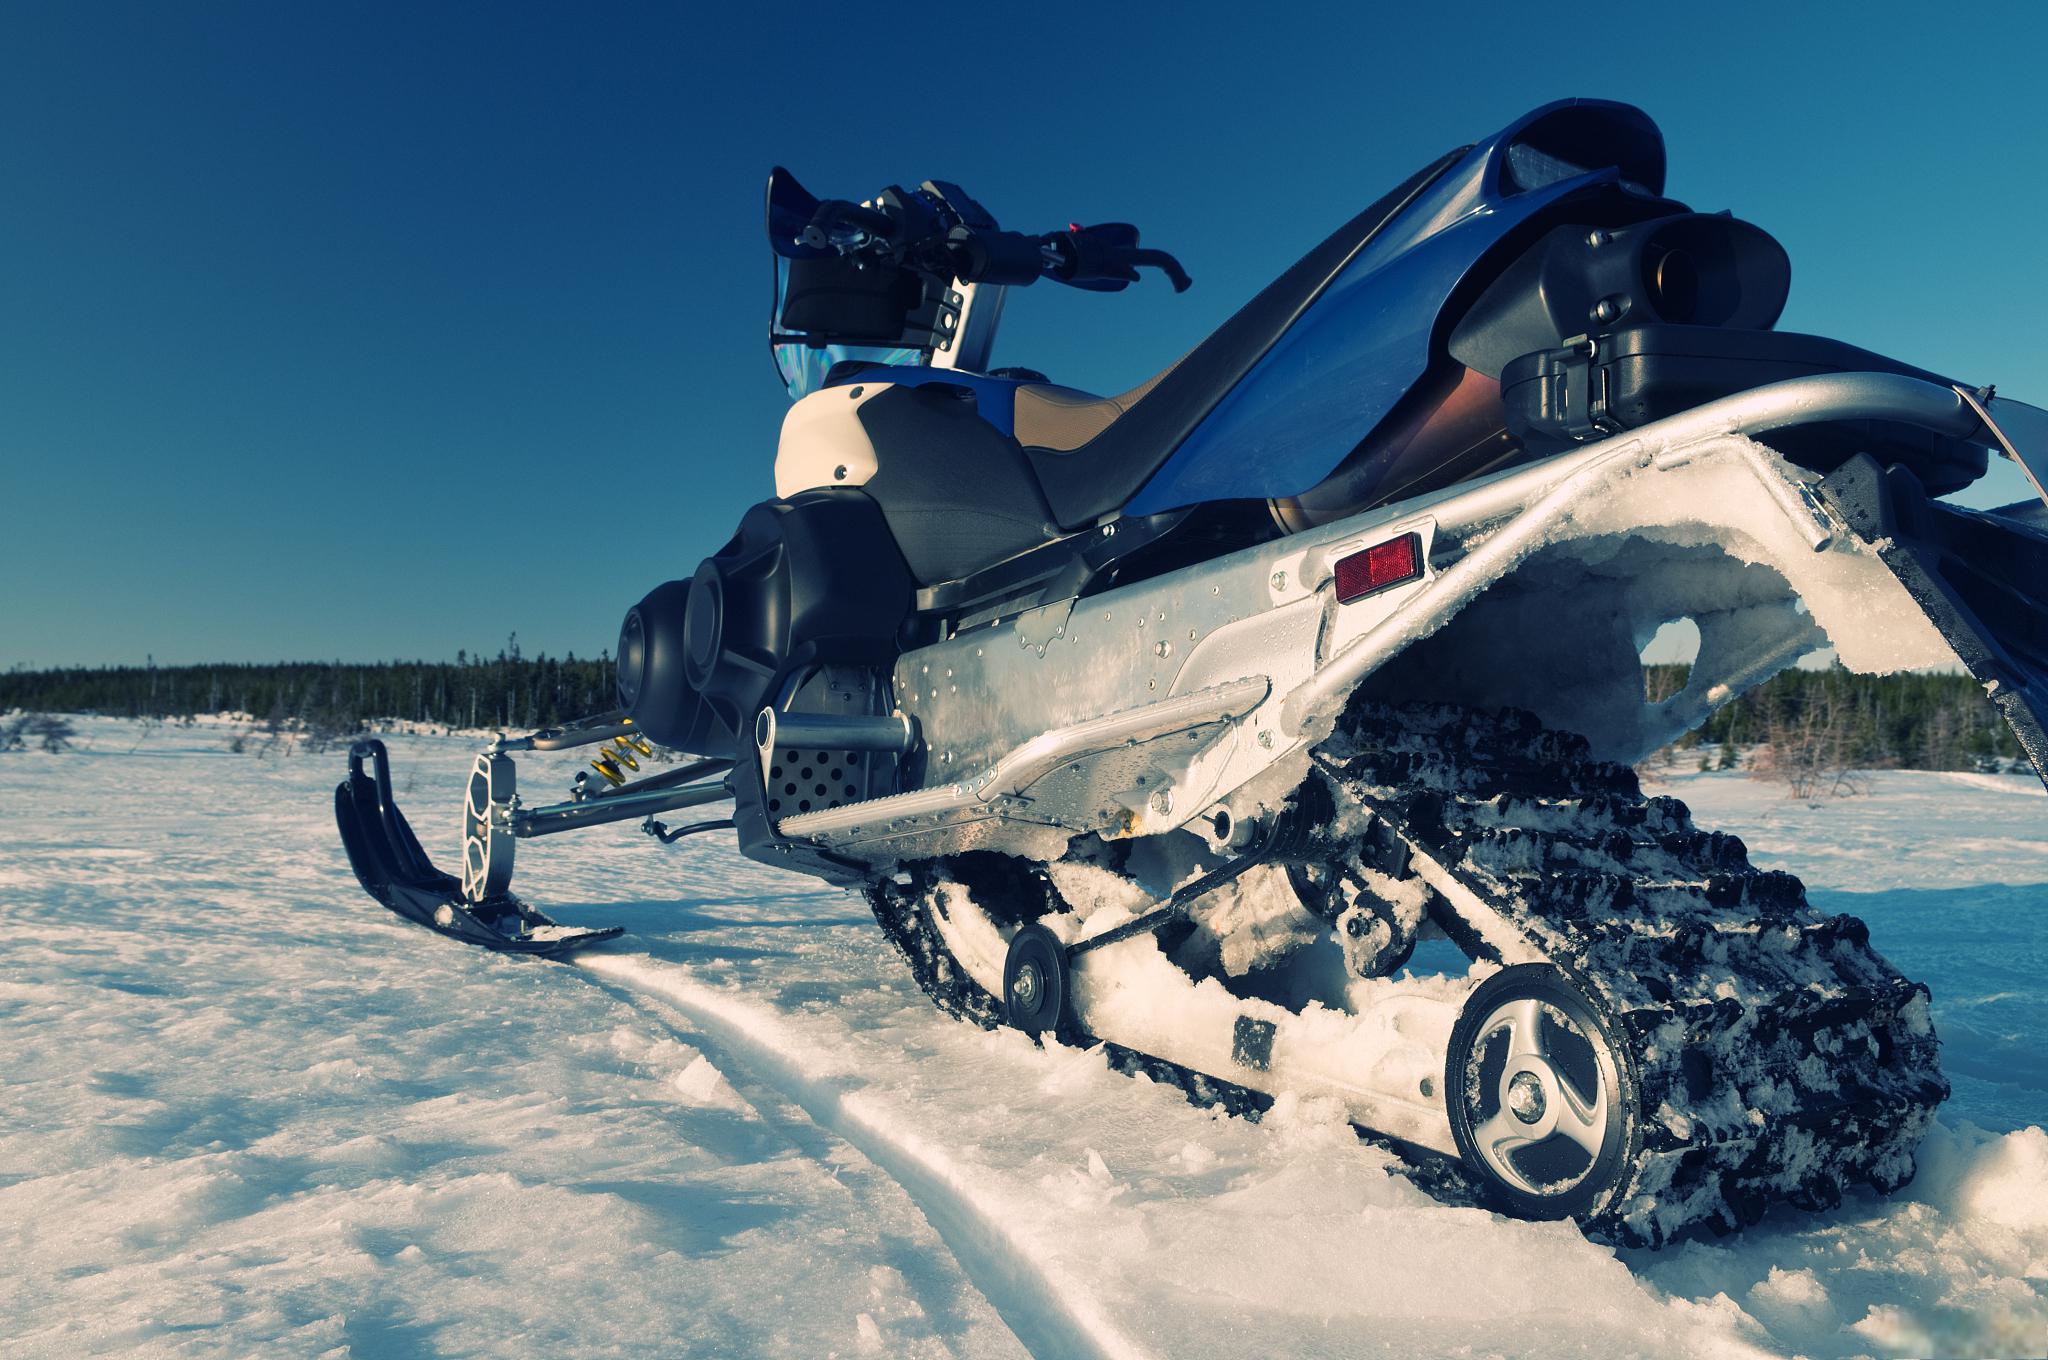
(960, 495)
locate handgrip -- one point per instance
(999, 257)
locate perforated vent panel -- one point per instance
(810, 780)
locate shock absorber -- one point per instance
(616, 757)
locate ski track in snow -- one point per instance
(245, 1111)
(1050, 1312)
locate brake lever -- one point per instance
(1106, 258)
(1166, 265)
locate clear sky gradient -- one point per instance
(364, 331)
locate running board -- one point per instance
(1005, 788)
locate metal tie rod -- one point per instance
(1281, 832)
(546, 821)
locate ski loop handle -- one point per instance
(396, 832)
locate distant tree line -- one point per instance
(1811, 721)
(1811, 726)
(507, 691)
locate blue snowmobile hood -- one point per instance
(1367, 339)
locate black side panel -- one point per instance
(1107, 471)
(957, 494)
(1631, 377)
(1981, 578)
(806, 580)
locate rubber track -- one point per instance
(1779, 1058)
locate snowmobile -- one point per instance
(1179, 721)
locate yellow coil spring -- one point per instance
(619, 751)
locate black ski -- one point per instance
(394, 869)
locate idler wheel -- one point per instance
(1542, 1097)
(1037, 981)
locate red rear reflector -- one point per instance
(1382, 565)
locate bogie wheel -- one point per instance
(1542, 1097)
(1036, 982)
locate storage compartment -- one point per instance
(1555, 398)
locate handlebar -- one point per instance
(1103, 258)
(846, 227)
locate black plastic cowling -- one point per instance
(652, 690)
(812, 580)
(1691, 269)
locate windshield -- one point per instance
(2022, 432)
(803, 366)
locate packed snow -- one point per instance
(246, 1111)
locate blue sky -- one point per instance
(382, 330)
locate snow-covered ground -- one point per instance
(244, 1111)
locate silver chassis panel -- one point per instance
(1058, 784)
(1129, 713)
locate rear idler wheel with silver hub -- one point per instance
(1037, 995)
(1543, 1101)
